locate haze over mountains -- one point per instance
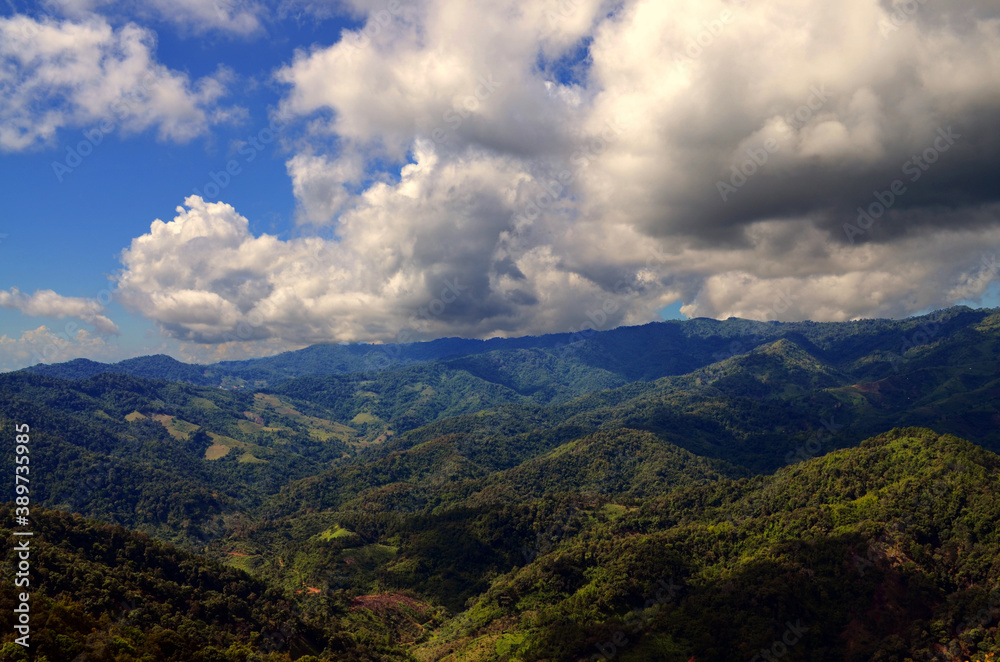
(702, 489)
(384, 206)
(644, 352)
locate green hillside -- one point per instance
(701, 490)
(885, 552)
(104, 594)
(888, 551)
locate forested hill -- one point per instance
(630, 353)
(887, 552)
(697, 490)
(101, 593)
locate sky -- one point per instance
(224, 179)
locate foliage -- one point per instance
(704, 490)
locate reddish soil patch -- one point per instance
(387, 602)
(236, 554)
(256, 418)
(870, 387)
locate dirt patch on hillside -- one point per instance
(380, 604)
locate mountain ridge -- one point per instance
(598, 349)
(526, 503)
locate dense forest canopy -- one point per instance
(687, 490)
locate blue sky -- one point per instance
(443, 169)
(65, 231)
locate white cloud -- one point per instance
(561, 164)
(240, 17)
(58, 75)
(236, 16)
(408, 255)
(75, 8)
(833, 282)
(460, 68)
(695, 89)
(322, 186)
(46, 303)
(412, 258)
(240, 350)
(41, 345)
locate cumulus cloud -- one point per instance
(407, 257)
(837, 282)
(567, 164)
(323, 186)
(61, 74)
(205, 278)
(46, 303)
(451, 71)
(41, 345)
(844, 108)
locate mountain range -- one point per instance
(697, 490)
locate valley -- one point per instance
(683, 490)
